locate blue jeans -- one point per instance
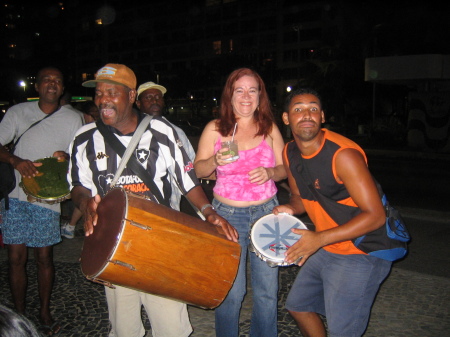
(264, 278)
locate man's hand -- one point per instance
(306, 246)
(90, 214)
(229, 231)
(61, 155)
(26, 167)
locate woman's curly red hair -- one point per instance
(263, 114)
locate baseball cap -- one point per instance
(114, 74)
(150, 85)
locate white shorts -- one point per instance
(168, 318)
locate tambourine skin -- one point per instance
(271, 236)
(50, 185)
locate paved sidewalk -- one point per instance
(409, 303)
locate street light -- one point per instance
(23, 84)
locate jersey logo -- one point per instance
(179, 143)
(105, 181)
(188, 167)
(101, 155)
(316, 184)
(142, 155)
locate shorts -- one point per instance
(340, 287)
(30, 224)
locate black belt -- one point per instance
(207, 181)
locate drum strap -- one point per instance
(131, 147)
(132, 162)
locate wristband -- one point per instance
(206, 206)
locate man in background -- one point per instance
(66, 100)
(35, 224)
(68, 227)
(150, 100)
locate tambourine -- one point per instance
(271, 236)
(50, 185)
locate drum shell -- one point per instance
(155, 249)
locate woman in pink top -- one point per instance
(245, 191)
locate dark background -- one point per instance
(323, 44)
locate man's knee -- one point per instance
(17, 255)
(44, 257)
(304, 317)
(309, 323)
(297, 315)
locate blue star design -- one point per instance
(279, 238)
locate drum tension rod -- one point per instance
(123, 264)
(105, 283)
(139, 225)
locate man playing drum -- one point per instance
(337, 280)
(28, 224)
(93, 165)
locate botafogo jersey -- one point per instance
(93, 162)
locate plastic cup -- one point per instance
(232, 149)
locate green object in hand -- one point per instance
(229, 152)
(51, 182)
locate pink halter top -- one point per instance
(233, 180)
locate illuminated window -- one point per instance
(217, 47)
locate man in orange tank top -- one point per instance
(337, 280)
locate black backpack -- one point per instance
(7, 182)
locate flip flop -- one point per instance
(50, 330)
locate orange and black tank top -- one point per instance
(317, 174)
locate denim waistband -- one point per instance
(267, 206)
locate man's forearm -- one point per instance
(5, 156)
(80, 196)
(295, 202)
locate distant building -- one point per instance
(191, 46)
(427, 103)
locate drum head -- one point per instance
(271, 236)
(99, 246)
(51, 182)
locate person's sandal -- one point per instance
(50, 330)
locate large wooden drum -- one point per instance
(149, 247)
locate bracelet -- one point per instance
(206, 206)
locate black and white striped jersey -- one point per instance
(93, 163)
